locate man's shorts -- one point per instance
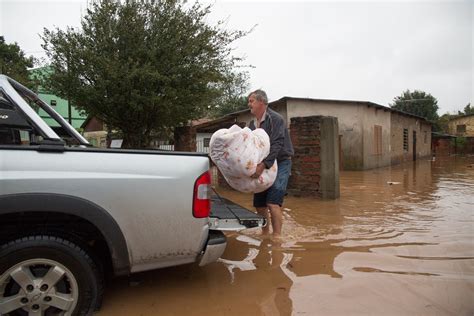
(276, 193)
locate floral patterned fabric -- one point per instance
(236, 152)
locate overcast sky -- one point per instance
(352, 50)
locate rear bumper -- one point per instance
(215, 247)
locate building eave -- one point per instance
(354, 102)
(232, 117)
(460, 117)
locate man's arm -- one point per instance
(277, 138)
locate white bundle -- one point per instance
(236, 152)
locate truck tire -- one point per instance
(47, 275)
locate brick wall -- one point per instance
(221, 182)
(306, 163)
(442, 146)
(315, 170)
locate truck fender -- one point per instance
(71, 205)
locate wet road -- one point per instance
(399, 241)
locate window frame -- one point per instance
(406, 142)
(460, 128)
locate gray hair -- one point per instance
(260, 95)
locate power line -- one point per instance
(412, 100)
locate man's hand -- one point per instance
(259, 170)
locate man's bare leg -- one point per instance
(277, 218)
(264, 212)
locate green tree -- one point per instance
(233, 98)
(467, 110)
(232, 104)
(418, 103)
(15, 64)
(143, 67)
(442, 124)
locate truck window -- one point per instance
(53, 123)
(14, 129)
(17, 136)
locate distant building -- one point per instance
(94, 130)
(462, 126)
(58, 104)
(370, 135)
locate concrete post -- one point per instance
(329, 184)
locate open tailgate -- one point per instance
(228, 216)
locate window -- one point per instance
(14, 129)
(19, 136)
(206, 142)
(377, 140)
(53, 103)
(461, 128)
(4, 102)
(405, 139)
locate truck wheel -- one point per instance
(47, 275)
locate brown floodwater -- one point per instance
(399, 241)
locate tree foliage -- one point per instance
(418, 103)
(233, 98)
(14, 63)
(142, 66)
(442, 124)
(467, 110)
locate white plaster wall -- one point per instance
(200, 136)
(245, 117)
(423, 138)
(350, 118)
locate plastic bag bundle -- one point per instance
(236, 152)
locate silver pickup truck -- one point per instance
(72, 215)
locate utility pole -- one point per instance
(413, 100)
(69, 116)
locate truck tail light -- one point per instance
(202, 196)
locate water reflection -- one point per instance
(399, 241)
(410, 226)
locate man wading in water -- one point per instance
(281, 149)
